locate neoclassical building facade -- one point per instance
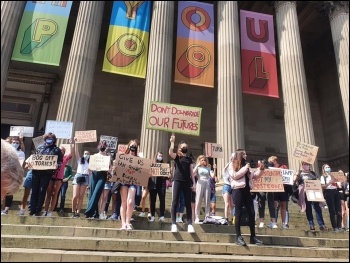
(312, 51)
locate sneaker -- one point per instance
(196, 221)
(74, 215)
(149, 215)
(312, 228)
(324, 228)
(101, 216)
(190, 229)
(174, 228)
(142, 214)
(61, 211)
(261, 225)
(272, 225)
(49, 214)
(4, 212)
(44, 213)
(285, 226)
(22, 212)
(151, 219)
(113, 217)
(123, 227)
(132, 219)
(179, 220)
(129, 227)
(256, 241)
(161, 219)
(240, 241)
(104, 215)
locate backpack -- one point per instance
(215, 220)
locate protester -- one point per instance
(64, 187)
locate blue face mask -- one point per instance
(15, 146)
(327, 170)
(49, 141)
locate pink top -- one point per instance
(60, 171)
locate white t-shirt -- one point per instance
(328, 178)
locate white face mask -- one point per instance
(86, 156)
(159, 158)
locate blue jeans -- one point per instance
(318, 212)
(62, 194)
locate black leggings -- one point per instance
(242, 196)
(179, 186)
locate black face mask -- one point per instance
(133, 148)
(184, 150)
(102, 149)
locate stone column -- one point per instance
(230, 125)
(159, 72)
(11, 15)
(338, 12)
(297, 114)
(79, 78)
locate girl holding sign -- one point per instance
(183, 174)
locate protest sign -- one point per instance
(21, 131)
(111, 141)
(131, 169)
(67, 147)
(38, 141)
(313, 191)
(213, 150)
(174, 118)
(305, 152)
(339, 176)
(85, 136)
(43, 162)
(287, 176)
(270, 181)
(62, 129)
(160, 169)
(122, 148)
(99, 162)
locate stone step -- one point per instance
(41, 255)
(75, 231)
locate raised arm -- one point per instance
(71, 147)
(77, 155)
(171, 149)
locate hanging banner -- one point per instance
(195, 44)
(128, 36)
(258, 54)
(41, 32)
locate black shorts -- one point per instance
(281, 196)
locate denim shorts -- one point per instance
(108, 186)
(213, 198)
(28, 180)
(79, 175)
(226, 188)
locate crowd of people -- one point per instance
(193, 185)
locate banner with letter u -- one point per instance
(41, 32)
(258, 54)
(128, 36)
(195, 44)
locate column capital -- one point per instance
(278, 4)
(334, 8)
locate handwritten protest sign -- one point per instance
(21, 131)
(43, 162)
(305, 152)
(287, 176)
(38, 141)
(160, 169)
(67, 147)
(62, 129)
(270, 181)
(213, 150)
(85, 136)
(99, 162)
(111, 141)
(131, 169)
(122, 148)
(313, 191)
(174, 118)
(339, 176)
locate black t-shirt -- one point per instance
(183, 174)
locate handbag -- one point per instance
(81, 179)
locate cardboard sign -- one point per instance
(43, 162)
(111, 141)
(339, 176)
(62, 129)
(160, 169)
(67, 147)
(174, 118)
(85, 136)
(287, 176)
(21, 131)
(38, 141)
(122, 148)
(131, 169)
(314, 191)
(305, 152)
(99, 162)
(213, 150)
(270, 181)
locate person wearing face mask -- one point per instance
(98, 180)
(331, 194)
(157, 185)
(41, 178)
(80, 180)
(306, 173)
(241, 182)
(183, 175)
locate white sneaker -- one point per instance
(49, 214)
(161, 219)
(142, 214)
(104, 215)
(179, 220)
(272, 225)
(44, 213)
(261, 225)
(151, 219)
(174, 228)
(196, 221)
(22, 212)
(190, 229)
(149, 215)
